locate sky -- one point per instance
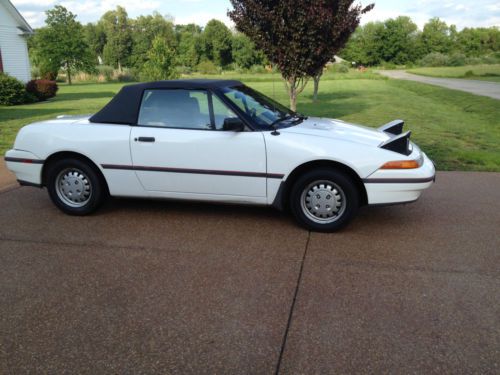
(462, 13)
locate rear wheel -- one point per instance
(74, 186)
(324, 200)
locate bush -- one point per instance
(105, 71)
(207, 67)
(42, 89)
(35, 72)
(12, 91)
(126, 75)
(258, 69)
(48, 73)
(457, 59)
(182, 69)
(339, 68)
(435, 59)
(388, 65)
(491, 59)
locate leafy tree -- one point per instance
(436, 37)
(245, 54)
(144, 30)
(161, 61)
(61, 44)
(333, 28)
(287, 32)
(364, 46)
(118, 46)
(479, 41)
(217, 43)
(95, 36)
(189, 45)
(399, 41)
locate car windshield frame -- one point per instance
(283, 116)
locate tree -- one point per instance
(436, 37)
(245, 54)
(144, 30)
(61, 44)
(338, 21)
(283, 30)
(118, 37)
(479, 41)
(399, 41)
(217, 43)
(189, 45)
(95, 36)
(364, 46)
(160, 62)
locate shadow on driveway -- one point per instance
(170, 287)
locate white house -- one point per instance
(13, 45)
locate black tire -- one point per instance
(338, 188)
(86, 172)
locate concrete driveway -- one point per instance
(476, 87)
(164, 287)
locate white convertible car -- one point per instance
(219, 141)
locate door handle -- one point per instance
(145, 139)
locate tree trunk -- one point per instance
(316, 79)
(293, 98)
(68, 72)
(294, 86)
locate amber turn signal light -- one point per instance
(401, 164)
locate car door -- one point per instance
(178, 146)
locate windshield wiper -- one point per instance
(276, 122)
(299, 118)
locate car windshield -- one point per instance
(261, 110)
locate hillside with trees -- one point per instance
(152, 47)
(398, 41)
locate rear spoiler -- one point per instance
(399, 143)
(394, 127)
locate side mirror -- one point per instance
(233, 124)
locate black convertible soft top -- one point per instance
(124, 107)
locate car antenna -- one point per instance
(275, 130)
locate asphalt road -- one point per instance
(476, 87)
(167, 287)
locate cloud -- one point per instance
(37, 3)
(202, 18)
(462, 13)
(35, 19)
(484, 13)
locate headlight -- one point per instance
(404, 164)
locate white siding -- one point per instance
(13, 47)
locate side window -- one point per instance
(186, 109)
(221, 112)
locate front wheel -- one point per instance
(74, 186)
(324, 200)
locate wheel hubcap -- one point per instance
(73, 187)
(323, 202)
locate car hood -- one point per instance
(337, 129)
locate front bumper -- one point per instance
(387, 186)
(26, 166)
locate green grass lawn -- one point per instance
(458, 130)
(480, 72)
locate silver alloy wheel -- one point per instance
(73, 187)
(323, 201)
